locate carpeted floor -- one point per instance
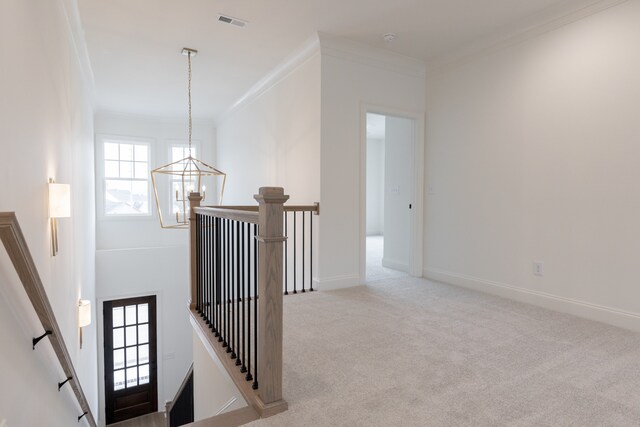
(410, 352)
(375, 269)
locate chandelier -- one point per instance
(177, 180)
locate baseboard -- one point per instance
(599, 313)
(337, 282)
(395, 265)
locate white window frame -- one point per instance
(101, 178)
(170, 144)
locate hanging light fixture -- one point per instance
(184, 176)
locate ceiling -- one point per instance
(134, 45)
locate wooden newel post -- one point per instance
(194, 202)
(270, 246)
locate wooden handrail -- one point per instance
(244, 215)
(169, 405)
(254, 208)
(18, 250)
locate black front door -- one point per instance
(130, 358)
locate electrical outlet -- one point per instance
(538, 268)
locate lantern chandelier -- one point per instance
(184, 177)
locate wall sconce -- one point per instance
(84, 315)
(59, 207)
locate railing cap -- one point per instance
(271, 195)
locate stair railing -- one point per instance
(179, 411)
(18, 251)
(236, 292)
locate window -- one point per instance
(126, 178)
(180, 152)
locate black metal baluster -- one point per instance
(198, 262)
(234, 260)
(249, 377)
(295, 230)
(212, 273)
(218, 290)
(205, 253)
(225, 281)
(228, 286)
(243, 344)
(237, 240)
(207, 249)
(209, 264)
(202, 223)
(286, 255)
(302, 212)
(255, 307)
(310, 251)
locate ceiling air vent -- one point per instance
(231, 20)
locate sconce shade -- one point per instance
(59, 200)
(84, 313)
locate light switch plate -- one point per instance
(538, 268)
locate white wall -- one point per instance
(119, 233)
(354, 77)
(273, 137)
(136, 257)
(151, 271)
(398, 187)
(213, 389)
(375, 187)
(46, 132)
(533, 156)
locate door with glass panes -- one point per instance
(130, 358)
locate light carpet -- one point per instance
(411, 352)
(375, 269)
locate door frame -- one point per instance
(153, 340)
(100, 331)
(416, 224)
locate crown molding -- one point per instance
(77, 35)
(308, 50)
(101, 114)
(365, 54)
(535, 26)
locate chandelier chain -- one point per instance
(190, 122)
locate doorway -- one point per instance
(390, 196)
(130, 358)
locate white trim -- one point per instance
(105, 114)
(518, 33)
(309, 50)
(216, 360)
(227, 405)
(417, 186)
(336, 282)
(351, 50)
(100, 140)
(599, 313)
(395, 265)
(72, 14)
